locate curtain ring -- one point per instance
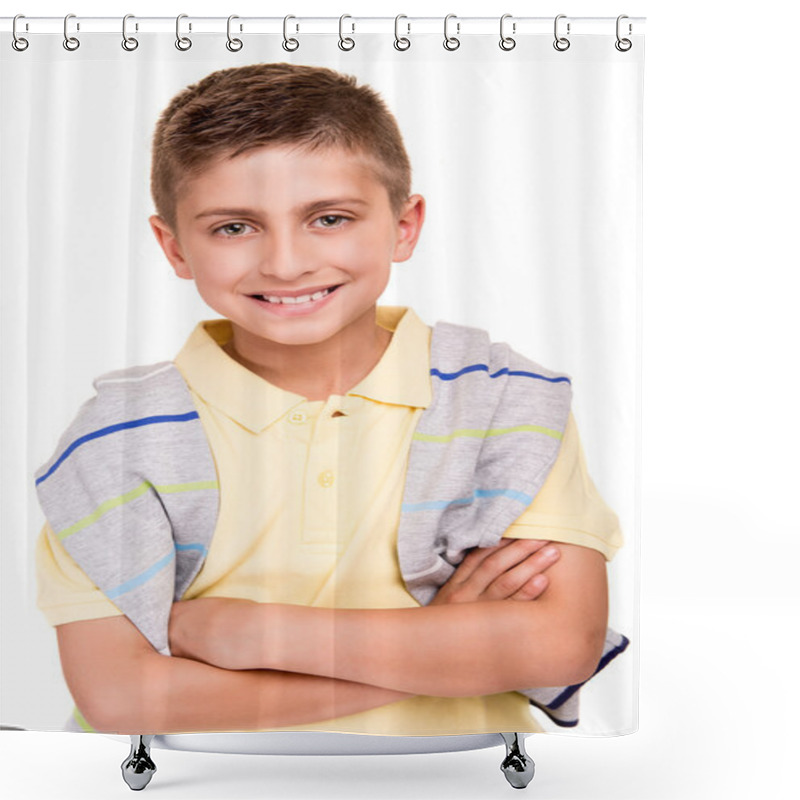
(345, 42)
(18, 42)
(129, 43)
(506, 42)
(623, 45)
(561, 43)
(70, 42)
(290, 45)
(182, 42)
(234, 45)
(451, 42)
(401, 42)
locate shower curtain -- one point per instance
(524, 137)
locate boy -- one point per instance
(283, 192)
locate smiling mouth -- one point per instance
(292, 301)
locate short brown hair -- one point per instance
(235, 110)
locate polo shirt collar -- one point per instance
(225, 384)
(401, 377)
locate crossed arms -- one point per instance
(499, 624)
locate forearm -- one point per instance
(458, 650)
(167, 695)
(461, 649)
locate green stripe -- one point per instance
(481, 433)
(104, 508)
(115, 502)
(174, 488)
(81, 720)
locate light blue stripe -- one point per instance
(432, 505)
(143, 577)
(199, 547)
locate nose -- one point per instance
(283, 256)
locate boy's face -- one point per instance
(293, 246)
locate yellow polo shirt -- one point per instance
(310, 496)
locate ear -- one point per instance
(171, 246)
(409, 227)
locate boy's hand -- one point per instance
(220, 631)
(514, 569)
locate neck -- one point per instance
(314, 371)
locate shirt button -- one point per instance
(325, 479)
(297, 418)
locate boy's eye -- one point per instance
(331, 220)
(233, 229)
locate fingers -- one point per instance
(484, 564)
(532, 589)
(511, 569)
(523, 580)
(500, 565)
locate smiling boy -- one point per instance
(283, 192)
(294, 247)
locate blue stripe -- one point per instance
(143, 577)
(431, 505)
(121, 426)
(563, 723)
(451, 376)
(199, 547)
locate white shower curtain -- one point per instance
(530, 162)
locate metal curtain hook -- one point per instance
(289, 44)
(623, 45)
(182, 42)
(401, 42)
(561, 43)
(234, 45)
(129, 43)
(18, 42)
(70, 42)
(506, 42)
(345, 42)
(451, 42)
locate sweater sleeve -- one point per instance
(568, 507)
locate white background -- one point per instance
(720, 603)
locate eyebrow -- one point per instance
(307, 209)
(225, 212)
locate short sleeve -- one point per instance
(568, 507)
(64, 591)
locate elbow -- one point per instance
(108, 712)
(582, 656)
(569, 660)
(121, 705)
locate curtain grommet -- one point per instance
(183, 43)
(401, 43)
(507, 42)
(128, 43)
(233, 44)
(346, 43)
(19, 43)
(561, 43)
(70, 43)
(623, 44)
(289, 44)
(451, 43)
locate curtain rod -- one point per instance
(311, 25)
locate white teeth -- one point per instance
(303, 298)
